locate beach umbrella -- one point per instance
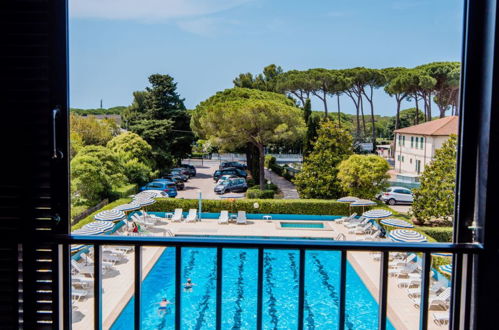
(404, 235)
(442, 254)
(363, 203)
(148, 194)
(397, 223)
(102, 226)
(347, 199)
(110, 215)
(446, 269)
(77, 247)
(376, 213)
(145, 201)
(132, 206)
(87, 231)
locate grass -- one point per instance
(90, 218)
(75, 210)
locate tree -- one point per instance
(266, 81)
(313, 124)
(238, 116)
(296, 84)
(406, 119)
(160, 108)
(434, 199)
(135, 155)
(325, 82)
(363, 176)
(95, 170)
(92, 131)
(318, 177)
(373, 79)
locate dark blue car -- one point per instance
(164, 185)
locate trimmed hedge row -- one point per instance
(275, 206)
(90, 218)
(440, 234)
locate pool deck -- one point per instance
(118, 286)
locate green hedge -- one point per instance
(275, 206)
(270, 186)
(260, 194)
(90, 218)
(123, 192)
(440, 234)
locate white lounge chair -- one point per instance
(403, 262)
(345, 219)
(357, 222)
(123, 248)
(375, 236)
(442, 300)
(407, 269)
(241, 218)
(78, 268)
(77, 294)
(361, 229)
(224, 218)
(441, 318)
(105, 264)
(191, 216)
(177, 215)
(414, 280)
(82, 281)
(433, 290)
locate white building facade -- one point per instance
(415, 146)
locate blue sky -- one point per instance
(116, 44)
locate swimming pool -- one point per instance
(239, 292)
(301, 225)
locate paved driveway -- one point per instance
(203, 182)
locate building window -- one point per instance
(402, 159)
(398, 158)
(403, 140)
(410, 160)
(412, 141)
(422, 141)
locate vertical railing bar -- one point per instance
(259, 303)
(457, 268)
(301, 289)
(219, 288)
(66, 285)
(178, 285)
(383, 290)
(425, 284)
(137, 285)
(97, 287)
(468, 297)
(343, 281)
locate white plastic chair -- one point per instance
(177, 215)
(224, 218)
(192, 216)
(241, 218)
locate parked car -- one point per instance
(179, 173)
(226, 177)
(394, 195)
(232, 164)
(166, 186)
(183, 171)
(229, 170)
(179, 184)
(190, 168)
(232, 185)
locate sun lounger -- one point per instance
(346, 219)
(357, 222)
(241, 218)
(434, 289)
(123, 248)
(360, 229)
(410, 282)
(82, 269)
(442, 300)
(177, 215)
(407, 269)
(403, 262)
(77, 294)
(224, 218)
(82, 281)
(105, 263)
(375, 236)
(441, 318)
(191, 216)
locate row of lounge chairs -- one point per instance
(192, 216)
(224, 218)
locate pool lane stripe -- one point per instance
(240, 292)
(274, 319)
(205, 301)
(332, 291)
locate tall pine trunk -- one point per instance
(339, 111)
(362, 112)
(416, 121)
(325, 102)
(261, 166)
(372, 123)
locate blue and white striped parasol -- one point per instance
(363, 202)
(446, 269)
(87, 231)
(110, 215)
(146, 194)
(442, 254)
(145, 201)
(405, 235)
(77, 247)
(103, 226)
(132, 206)
(397, 223)
(347, 199)
(376, 213)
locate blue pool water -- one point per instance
(239, 289)
(301, 225)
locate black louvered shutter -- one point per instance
(33, 184)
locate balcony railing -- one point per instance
(462, 259)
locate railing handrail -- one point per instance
(284, 243)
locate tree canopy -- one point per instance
(434, 199)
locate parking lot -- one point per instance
(203, 182)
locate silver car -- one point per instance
(397, 195)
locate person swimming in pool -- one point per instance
(163, 306)
(188, 285)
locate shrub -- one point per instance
(275, 206)
(123, 192)
(90, 218)
(440, 234)
(268, 186)
(260, 194)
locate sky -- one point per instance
(116, 44)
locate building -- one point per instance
(415, 146)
